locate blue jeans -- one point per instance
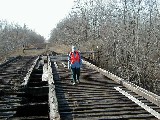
(75, 74)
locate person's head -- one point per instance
(73, 48)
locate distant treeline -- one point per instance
(127, 33)
(14, 36)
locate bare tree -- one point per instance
(13, 36)
(126, 31)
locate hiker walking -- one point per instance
(74, 62)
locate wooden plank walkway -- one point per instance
(95, 97)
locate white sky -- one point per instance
(39, 15)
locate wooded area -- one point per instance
(127, 33)
(14, 36)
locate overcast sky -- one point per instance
(39, 15)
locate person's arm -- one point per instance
(80, 62)
(69, 62)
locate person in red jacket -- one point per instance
(74, 63)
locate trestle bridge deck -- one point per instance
(96, 97)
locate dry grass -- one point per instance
(59, 48)
(64, 49)
(33, 52)
(18, 52)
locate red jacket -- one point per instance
(75, 58)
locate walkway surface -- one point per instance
(95, 97)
